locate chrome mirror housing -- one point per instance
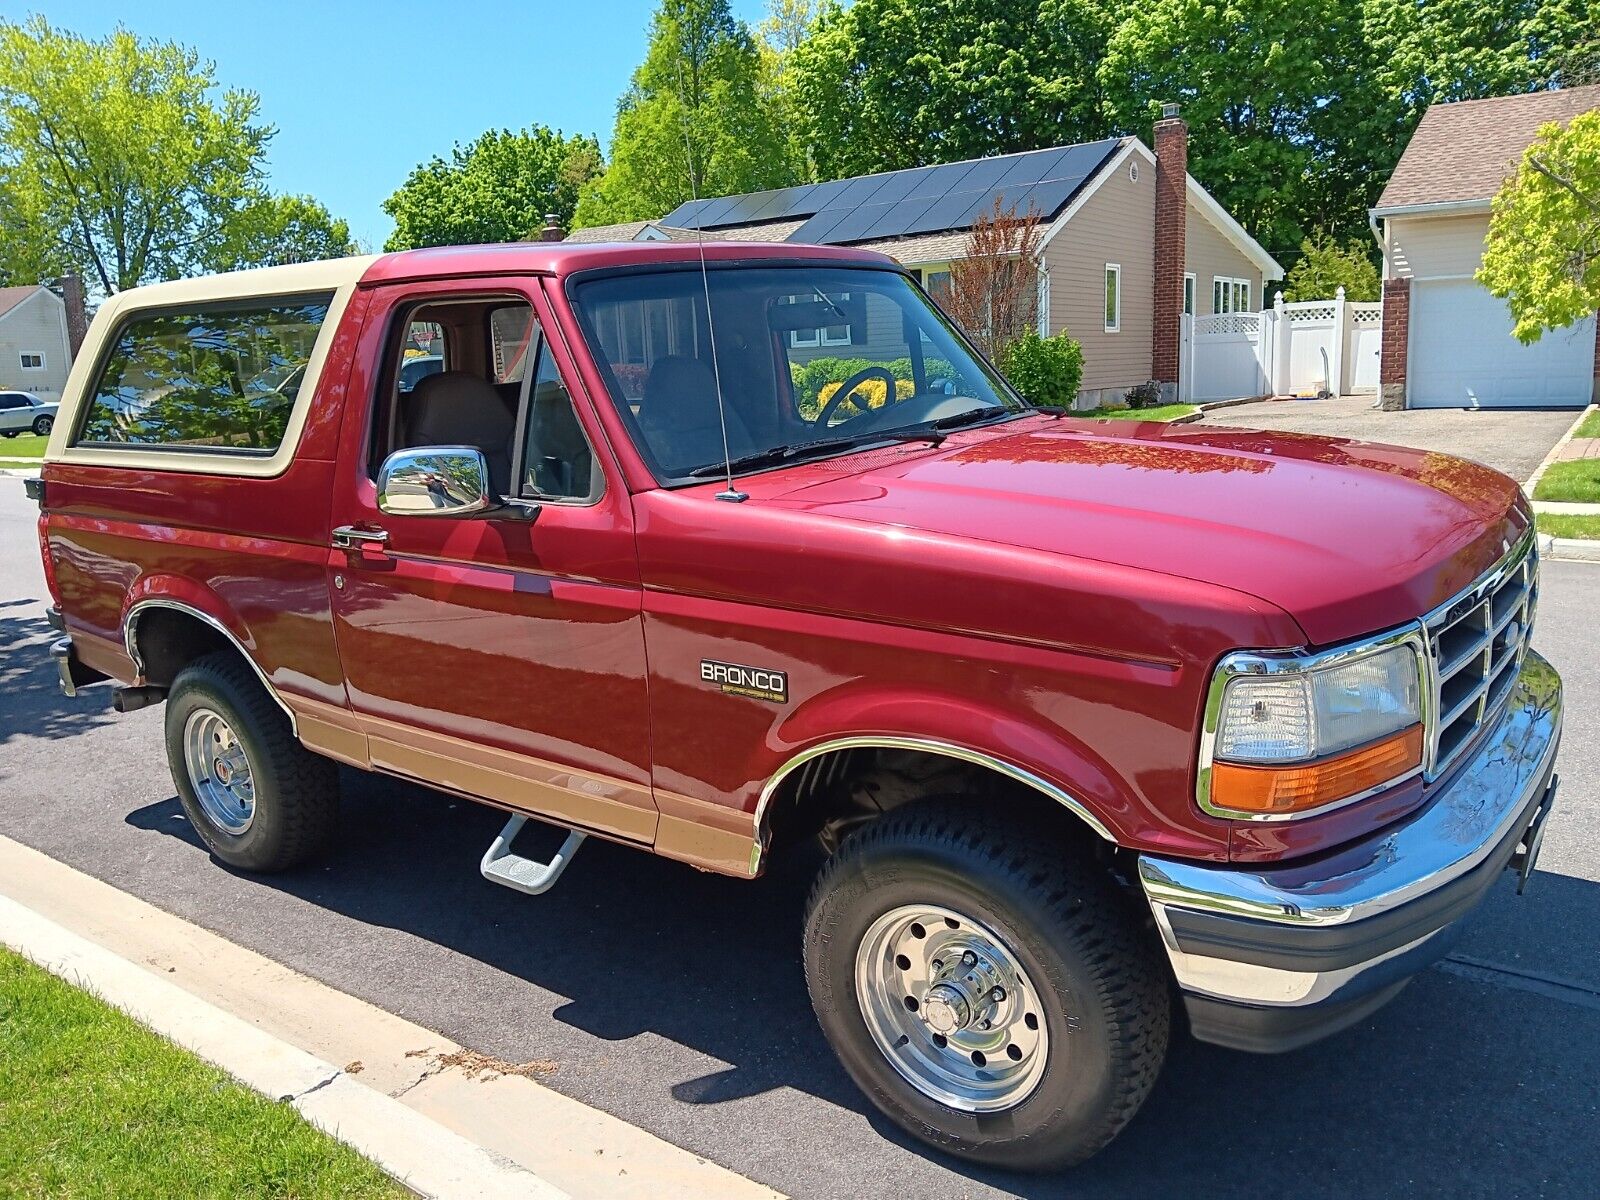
(435, 481)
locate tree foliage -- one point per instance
(886, 84)
(1543, 251)
(1297, 113)
(497, 188)
(699, 116)
(123, 162)
(1325, 266)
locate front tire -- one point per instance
(258, 799)
(986, 986)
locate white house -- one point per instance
(35, 350)
(1447, 342)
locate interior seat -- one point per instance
(678, 414)
(456, 408)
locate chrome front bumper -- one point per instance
(1270, 958)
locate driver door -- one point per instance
(493, 655)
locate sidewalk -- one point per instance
(445, 1120)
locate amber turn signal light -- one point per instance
(1274, 791)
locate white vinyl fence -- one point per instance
(1315, 346)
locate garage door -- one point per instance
(1463, 354)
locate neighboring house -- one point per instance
(1447, 342)
(1105, 241)
(35, 351)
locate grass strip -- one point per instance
(1575, 482)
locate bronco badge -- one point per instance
(756, 682)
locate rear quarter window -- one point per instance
(219, 377)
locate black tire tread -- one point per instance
(1131, 983)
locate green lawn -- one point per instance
(1587, 528)
(93, 1104)
(1590, 427)
(1571, 481)
(24, 445)
(1161, 412)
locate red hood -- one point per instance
(1347, 537)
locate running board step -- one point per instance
(520, 874)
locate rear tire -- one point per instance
(44, 425)
(1046, 1075)
(258, 799)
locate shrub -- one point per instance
(1144, 395)
(873, 392)
(812, 380)
(1046, 370)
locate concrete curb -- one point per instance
(409, 1098)
(1571, 549)
(1538, 472)
(419, 1152)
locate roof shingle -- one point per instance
(1463, 152)
(10, 297)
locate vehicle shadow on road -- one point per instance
(31, 702)
(642, 945)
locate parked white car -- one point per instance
(23, 412)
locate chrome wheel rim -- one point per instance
(951, 1008)
(219, 771)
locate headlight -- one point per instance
(1289, 736)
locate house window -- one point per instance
(1229, 294)
(1188, 294)
(828, 335)
(32, 360)
(1113, 297)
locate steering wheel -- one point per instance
(848, 387)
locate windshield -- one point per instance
(812, 360)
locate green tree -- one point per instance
(1254, 78)
(123, 161)
(496, 188)
(886, 84)
(1325, 266)
(786, 27)
(274, 231)
(1543, 251)
(698, 110)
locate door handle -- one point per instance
(357, 540)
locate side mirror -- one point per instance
(435, 481)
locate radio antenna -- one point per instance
(730, 493)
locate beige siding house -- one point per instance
(34, 349)
(1098, 264)
(1447, 342)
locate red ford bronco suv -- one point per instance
(1096, 720)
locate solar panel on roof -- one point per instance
(707, 213)
(898, 185)
(785, 203)
(941, 181)
(817, 229)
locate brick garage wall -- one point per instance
(1396, 336)
(1172, 173)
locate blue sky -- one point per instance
(361, 92)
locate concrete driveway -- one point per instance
(1513, 441)
(675, 1000)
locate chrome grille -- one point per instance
(1475, 647)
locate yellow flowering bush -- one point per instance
(873, 392)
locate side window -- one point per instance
(218, 378)
(557, 461)
(423, 353)
(9, 400)
(32, 360)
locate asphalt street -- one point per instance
(675, 1000)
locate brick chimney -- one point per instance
(1172, 173)
(70, 289)
(552, 231)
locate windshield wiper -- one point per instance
(782, 454)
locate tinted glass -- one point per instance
(222, 378)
